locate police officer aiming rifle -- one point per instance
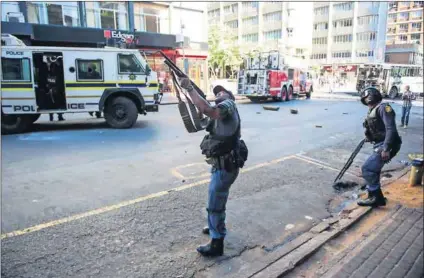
(222, 150)
(381, 130)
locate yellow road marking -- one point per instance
(176, 173)
(135, 201)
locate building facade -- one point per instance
(148, 26)
(265, 26)
(405, 35)
(349, 32)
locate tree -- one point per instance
(223, 52)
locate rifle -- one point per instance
(350, 160)
(192, 118)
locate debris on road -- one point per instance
(258, 112)
(345, 113)
(271, 108)
(344, 185)
(293, 111)
(318, 126)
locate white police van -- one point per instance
(37, 80)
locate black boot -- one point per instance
(375, 199)
(205, 230)
(213, 248)
(60, 117)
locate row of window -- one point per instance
(348, 6)
(322, 40)
(368, 19)
(250, 20)
(342, 23)
(321, 26)
(366, 36)
(231, 9)
(321, 10)
(250, 5)
(213, 13)
(272, 35)
(319, 56)
(275, 16)
(364, 53)
(250, 38)
(18, 69)
(346, 54)
(342, 39)
(232, 24)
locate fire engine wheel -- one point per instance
(283, 94)
(121, 112)
(289, 96)
(11, 124)
(308, 94)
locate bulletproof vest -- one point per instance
(375, 125)
(215, 145)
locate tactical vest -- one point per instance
(375, 125)
(214, 145)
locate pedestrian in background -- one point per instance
(407, 97)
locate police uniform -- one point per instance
(381, 131)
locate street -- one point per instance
(80, 199)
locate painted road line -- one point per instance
(321, 165)
(126, 203)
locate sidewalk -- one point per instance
(388, 242)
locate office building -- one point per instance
(405, 32)
(266, 26)
(349, 32)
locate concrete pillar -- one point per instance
(330, 32)
(24, 10)
(82, 14)
(260, 22)
(354, 28)
(131, 25)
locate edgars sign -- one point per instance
(123, 37)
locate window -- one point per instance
(342, 54)
(416, 25)
(250, 38)
(369, 19)
(403, 27)
(415, 37)
(403, 16)
(15, 69)
(250, 5)
(107, 15)
(392, 18)
(213, 13)
(319, 56)
(321, 26)
(342, 39)
(417, 15)
(321, 10)
(322, 40)
(366, 36)
(90, 70)
(272, 35)
(273, 17)
(250, 21)
(403, 38)
(364, 53)
(342, 23)
(60, 13)
(128, 63)
(231, 9)
(232, 24)
(343, 7)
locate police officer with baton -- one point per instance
(380, 130)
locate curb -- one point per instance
(308, 243)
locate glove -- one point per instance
(185, 83)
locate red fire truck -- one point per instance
(267, 76)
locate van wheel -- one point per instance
(393, 93)
(11, 124)
(34, 117)
(121, 112)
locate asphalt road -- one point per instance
(131, 203)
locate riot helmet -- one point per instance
(370, 96)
